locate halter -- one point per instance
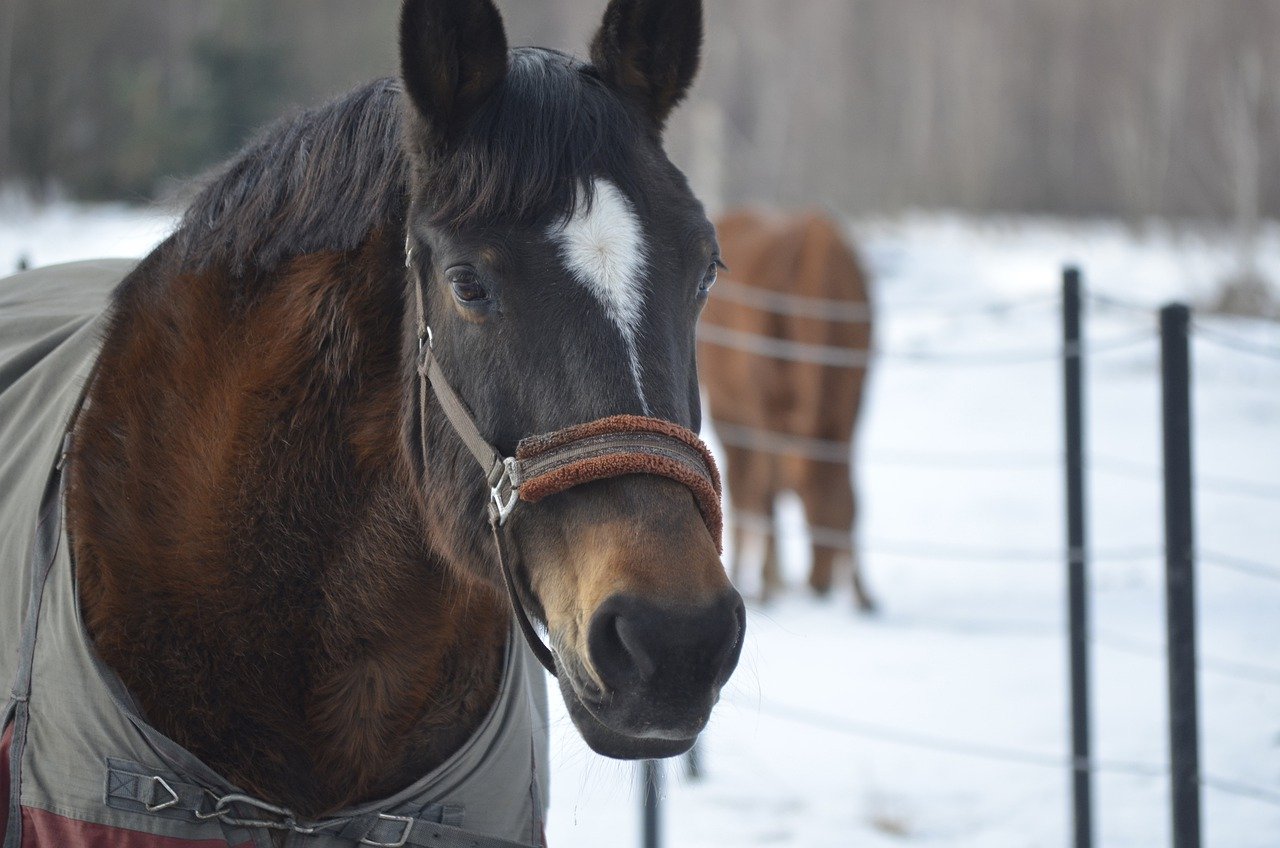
(552, 463)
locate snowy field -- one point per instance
(942, 721)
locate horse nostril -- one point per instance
(616, 644)
(732, 649)
(635, 644)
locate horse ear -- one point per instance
(453, 54)
(650, 49)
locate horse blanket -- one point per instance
(79, 765)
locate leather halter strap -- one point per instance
(548, 464)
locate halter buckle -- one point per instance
(504, 490)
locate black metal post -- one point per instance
(1180, 597)
(23, 262)
(651, 818)
(1077, 558)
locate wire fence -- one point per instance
(1007, 754)
(834, 356)
(1234, 343)
(1235, 669)
(831, 310)
(1240, 565)
(842, 539)
(839, 451)
(795, 306)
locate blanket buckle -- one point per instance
(406, 824)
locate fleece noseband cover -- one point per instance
(612, 447)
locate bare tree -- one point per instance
(8, 23)
(1132, 107)
(1246, 290)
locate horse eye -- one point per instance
(467, 287)
(709, 278)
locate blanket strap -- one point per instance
(140, 789)
(43, 553)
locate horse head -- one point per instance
(563, 263)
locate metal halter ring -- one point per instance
(504, 476)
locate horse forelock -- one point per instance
(534, 149)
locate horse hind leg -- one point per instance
(864, 600)
(827, 559)
(745, 547)
(861, 597)
(830, 508)
(822, 571)
(755, 542)
(750, 476)
(771, 567)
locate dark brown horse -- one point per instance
(784, 399)
(295, 582)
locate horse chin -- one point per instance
(615, 744)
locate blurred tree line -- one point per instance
(1124, 107)
(116, 98)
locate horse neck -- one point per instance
(253, 553)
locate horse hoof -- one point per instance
(820, 588)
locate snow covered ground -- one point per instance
(942, 721)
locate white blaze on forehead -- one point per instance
(603, 246)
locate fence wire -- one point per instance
(841, 539)
(1120, 304)
(770, 441)
(1240, 565)
(1218, 483)
(853, 312)
(792, 305)
(843, 357)
(1243, 671)
(877, 732)
(1230, 341)
(836, 451)
(840, 452)
(964, 460)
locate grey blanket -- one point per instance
(83, 766)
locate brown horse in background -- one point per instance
(786, 410)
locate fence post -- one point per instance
(651, 819)
(1180, 611)
(1077, 561)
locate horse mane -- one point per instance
(319, 181)
(324, 179)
